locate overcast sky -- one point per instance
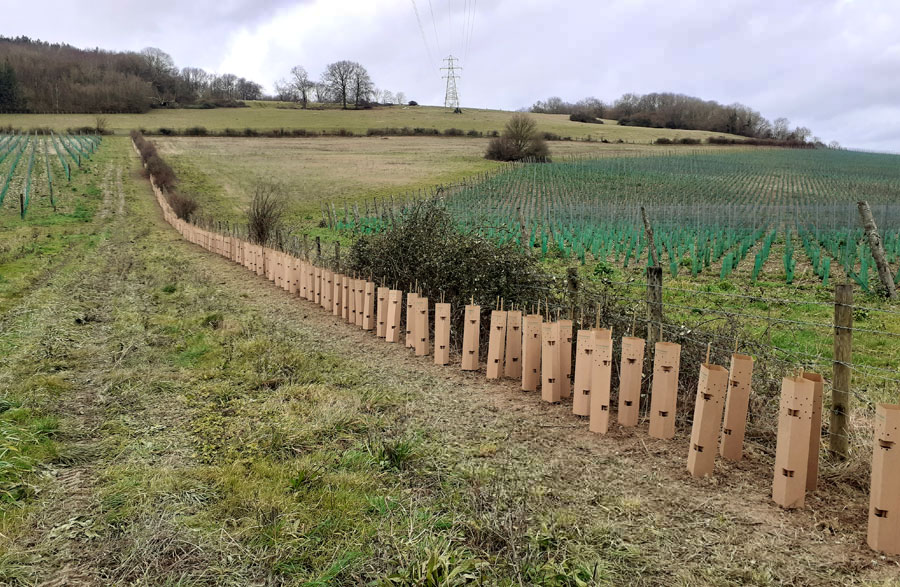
(830, 65)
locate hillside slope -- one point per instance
(268, 116)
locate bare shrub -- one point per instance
(500, 149)
(264, 217)
(424, 246)
(182, 204)
(101, 125)
(162, 173)
(520, 140)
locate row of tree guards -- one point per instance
(538, 352)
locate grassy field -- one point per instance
(221, 172)
(169, 419)
(269, 117)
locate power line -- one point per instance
(450, 25)
(422, 30)
(437, 40)
(471, 29)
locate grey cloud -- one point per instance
(831, 65)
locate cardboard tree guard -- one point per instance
(420, 326)
(471, 335)
(513, 358)
(792, 449)
(815, 437)
(410, 313)
(531, 352)
(565, 358)
(584, 358)
(360, 302)
(260, 260)
(346, 296)
(279, 269)
(327, 290)
(708, 408)
(292, 275)
(664, 393)
(601, 381)
(395, 299)
(318, 286)
(441, 334)
(353, 299)
(304, 280)
(381, 298)
(734, 426)
(884, 495)
(550, 368)
(630, 374)
(496, 344)
(338, 295)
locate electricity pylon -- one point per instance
(451, 98)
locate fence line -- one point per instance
(298, 273)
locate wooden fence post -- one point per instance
(840, 386)
(877, 248)
(654, 306)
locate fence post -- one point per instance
(572, 284)
(877, 248)
(318, 248)
(654, 305)
(337, 255)
(840, 387)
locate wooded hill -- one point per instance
(36, 76)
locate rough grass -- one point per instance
(205, 428)
(269, 117)
(172, 429)
(221, 172)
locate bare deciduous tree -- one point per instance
(302, 84)
(347, 81)
(320, 92)
(400, 97)
(781, 128)
(284, 91)
(362, 86)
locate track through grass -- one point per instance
(201, 427)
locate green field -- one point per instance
(711, 210)
(267, 116)
(757, 225)
(36, 171)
